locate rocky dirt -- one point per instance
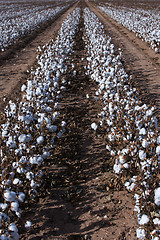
(79, 198)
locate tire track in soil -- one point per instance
(13, 71)
(137, 57)
(80, 200)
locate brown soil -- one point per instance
(138, 58)
(19, 59)
(82, 201)
(79, 199)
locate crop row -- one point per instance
(31, 127)
(144, 23)
(21, 19)
(130, 126)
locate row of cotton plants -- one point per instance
(31, 127)
(144, 23)
(17, 22)
(130, 126)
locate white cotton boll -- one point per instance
(3, 237)
(33, 184)
(63, 124)
(22, 138)
(16, 181)
(157, 196)
(142, 154)
(21, 197)
(87, 96)
(126, 165)
(28, 225)
(108, 147)
(3, 206)
(143, 220)
(40, 139)
(14, 206)
(144, 143)
(12, 227)
(156, 50)
(29, 175)
(94, 126)
(137, 209)
(23, 88)
(45, 155)
(140, 233)
(142, 131)
(52, 128)
(121, 159)
(158, 150)
(117, 168)
(149, 113)
(158, 140)
(9, 195)
(111, 137)
(156, 221)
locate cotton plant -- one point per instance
(144, 23)
(132, 136)
(20, 19)
(32, 126)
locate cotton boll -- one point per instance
(23, 88)
(16, 181)
(144, 143)
(40, 139)
(94, 126)
(142, 131)
(14, 206)
(158, 150)
(12, 227)
(117, 168)
(156, 221)
(158, 140)
(143, 220)
(141, 233)
(142, 154)
(28, 225)
(9, 195)
(3, 206)
(21, 197)
(157, 196)
(45, 155)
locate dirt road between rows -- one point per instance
(138, 58)
(13, 72)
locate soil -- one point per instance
(79, 198)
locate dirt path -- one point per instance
(81, 202)
(13, 72)
(139, 60)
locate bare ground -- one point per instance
(79, 199)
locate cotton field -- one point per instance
(144, 23)
(19, 19)
(33, 125)
(131, 127)
(31, 128)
